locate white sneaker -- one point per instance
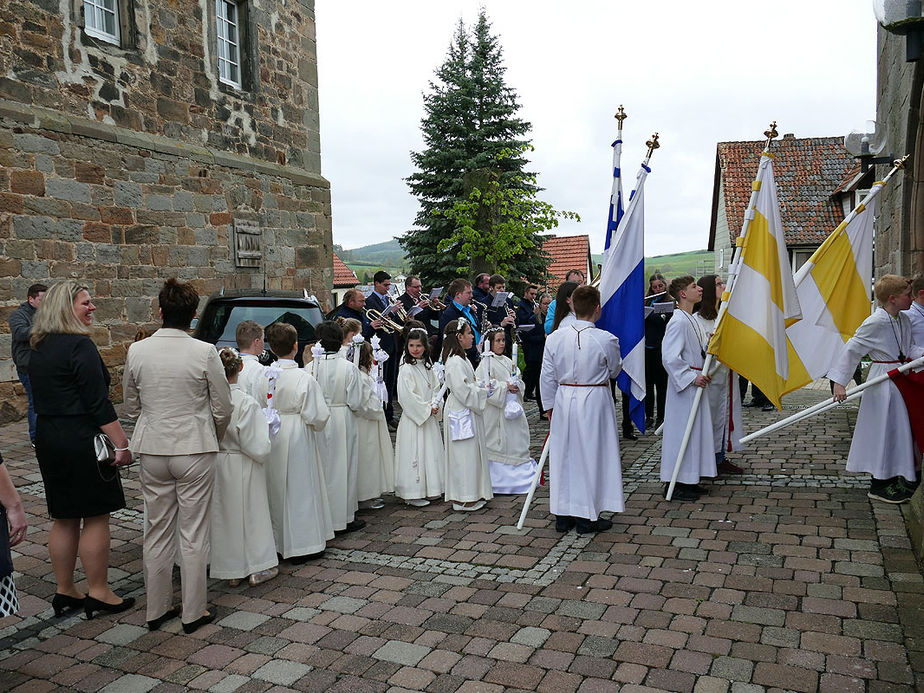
(417, 502)
(469, 508)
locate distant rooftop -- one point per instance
(343, 276)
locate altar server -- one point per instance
(683, 352)
(882, 444)
(419, 446)
(298, 502)
(468, 478)
(242, 531)
(506, 428)
(343, 392)
(250, 344)
(585, 471)
(376, 473)
(723, 392)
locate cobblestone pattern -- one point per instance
(758, 587)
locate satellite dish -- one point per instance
(871, 141)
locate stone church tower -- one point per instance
(144, 139)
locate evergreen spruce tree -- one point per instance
(473, 139)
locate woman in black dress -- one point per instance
(70, 385)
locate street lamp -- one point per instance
(903, 17)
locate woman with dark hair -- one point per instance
(176, 387)
(70, 386)
(563, 313)
(655, 375)
(722, 393)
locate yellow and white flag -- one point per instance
(834, 292)
(751, 335)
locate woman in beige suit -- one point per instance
(175, 386)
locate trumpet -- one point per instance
(389, 326)
(399, 311)
(437, 304)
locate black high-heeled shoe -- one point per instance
(198, 623)
(63, 602)
(156, 623)
(91, 606)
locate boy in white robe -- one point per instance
(298, 502)
(882, 444)
(343, 392)
(916, 312)
(507, 439)
(585, 472)
(683, 353)
(242, 531)
(249, 337)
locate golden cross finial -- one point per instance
(620, 116)
(770, 134)
(652, 144)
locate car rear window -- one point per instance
(223, 323)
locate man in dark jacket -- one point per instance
(379, 300)
(533, 343)
(21, 331)
(460, 293)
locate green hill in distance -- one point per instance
(693, 262)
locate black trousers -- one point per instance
(531, 381)
(390, 375)
(655, 385)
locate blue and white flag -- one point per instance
(622, 295)
(616, 207)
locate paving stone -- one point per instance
(732, 668)
(401, 653)
(243, 620)
(131, 683)
(281, 672)
(122, 634)
(531, 636)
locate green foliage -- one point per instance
(498, 225)
(474, 145)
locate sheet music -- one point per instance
(500, 299)
(436, 292)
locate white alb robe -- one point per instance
(916, 316)
(294, 475)
(376, 473)
(419, 446)
(252, 378)
(242, 531)
(507, 440)
(465, 467)
(585, 471)
(682, 356)
(882, 443)
(724, 398)
(343, 392)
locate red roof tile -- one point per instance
(567, 252)
(343, 275)
(808, 172)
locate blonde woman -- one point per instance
(70, 385)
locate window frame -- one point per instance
(225, 40)
(92, 7)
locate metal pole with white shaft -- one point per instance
(827, 404)
(770, 134)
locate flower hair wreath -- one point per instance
(460, 323)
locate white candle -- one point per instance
(515, 354)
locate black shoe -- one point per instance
(299, 560)
(682, 492)
(563, 523)
(156, 623)
(352, 526)
(198, 623)
(589, 527)
(62, 602)
(629, 435)
(768, 407)
(911, 485)
(726, 467)
(889, 492)
(697, 489)
(91, 606)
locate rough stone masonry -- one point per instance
(125, 162)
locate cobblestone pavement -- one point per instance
(786, 578)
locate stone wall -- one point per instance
(123, 165)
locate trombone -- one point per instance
(389, 326)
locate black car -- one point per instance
(226, 309)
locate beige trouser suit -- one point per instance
(176, 387)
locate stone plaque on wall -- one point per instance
(248, 243)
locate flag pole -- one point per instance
(536, 477)
(770, 134)
(827, 404)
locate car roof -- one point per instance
(268, 296)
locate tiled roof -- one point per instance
(567, 252)
(343, 275)
(808, 172)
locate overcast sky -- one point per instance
(698, 73)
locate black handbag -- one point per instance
(104, 450)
